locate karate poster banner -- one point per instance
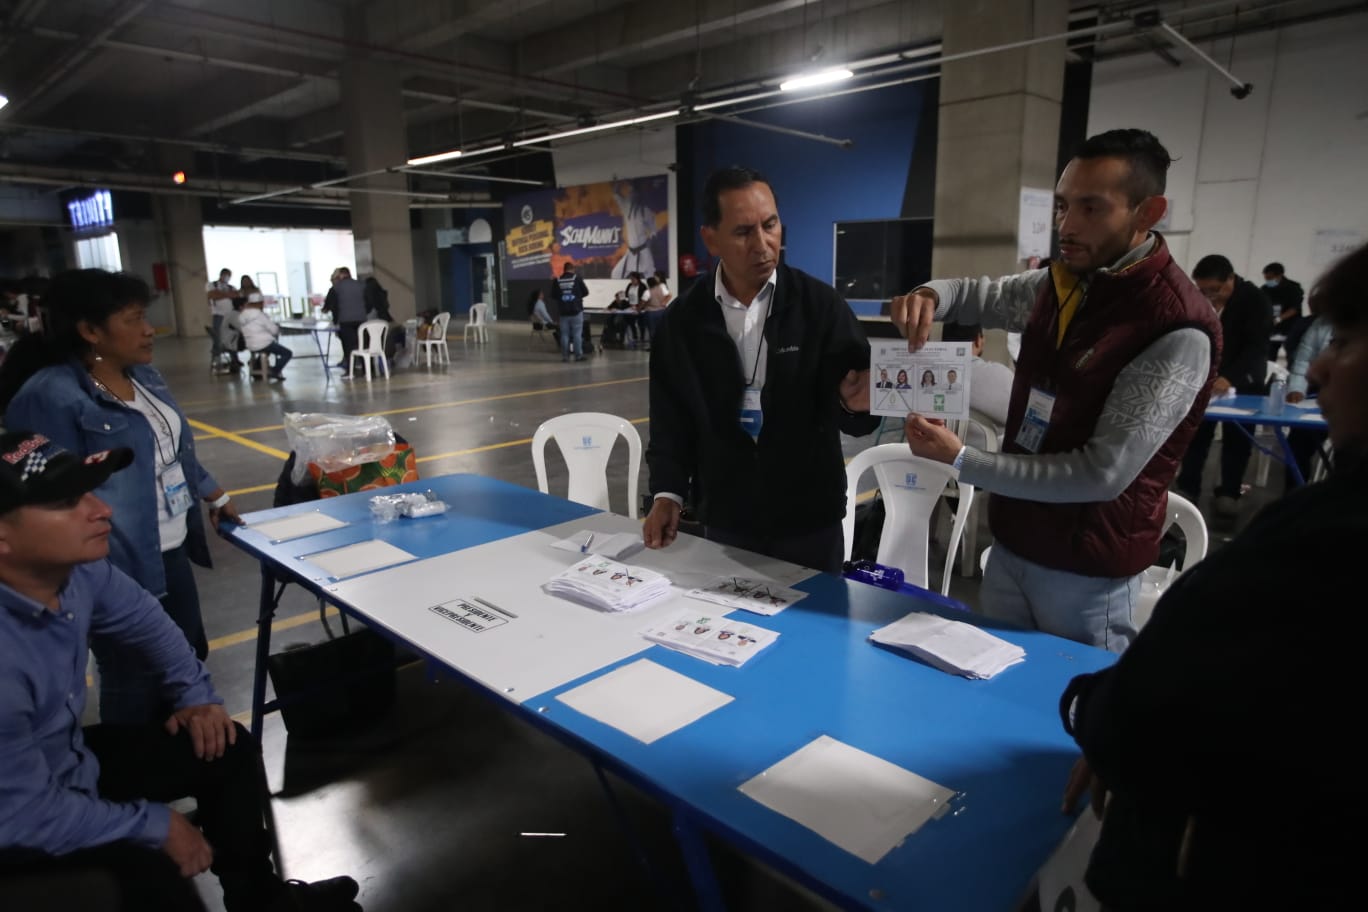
(609, 230)
(933, 382)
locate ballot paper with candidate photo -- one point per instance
(757, 595)
(933, 382)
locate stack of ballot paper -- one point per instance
(952, 646)
(608, 585)
(712, 639)
(760, 596)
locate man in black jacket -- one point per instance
(1246, 322)
(1286, 296)
(754, 374)
(1221, 743)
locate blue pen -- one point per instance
(584, 548)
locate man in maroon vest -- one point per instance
(1116, 367)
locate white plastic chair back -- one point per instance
(476, 323)
(371, 345)
(910, 486)
(436, 339)
(1185, 515)
(586, 439)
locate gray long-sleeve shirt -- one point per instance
(1151, 395)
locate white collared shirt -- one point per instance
(746, 326)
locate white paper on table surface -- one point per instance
(860, 802)
(359, 558)
(933, 382)
(644, 700)
(1310, 404)
(959, 644)
(615, 546)
(290, 527)
(1227, 410)
(748, 594)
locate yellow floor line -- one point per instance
(457, 402)
(252, 490)
(243, 636)
(238, 439)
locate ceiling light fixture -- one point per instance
(812, 80)
(598, 128)
(434, 159)
(4, 100)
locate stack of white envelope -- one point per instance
(953, 646)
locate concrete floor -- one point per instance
(426, 807)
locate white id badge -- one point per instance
(751, 415)
(176, 490)
(1036, 421)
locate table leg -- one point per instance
(695, 851)
(323, 355)
(1288, 456)
(265, 615)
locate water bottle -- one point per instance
(867, 571)
(1277, 395)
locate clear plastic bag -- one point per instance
(336, 442)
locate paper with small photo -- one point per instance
(933, 382)
(760, 596)
(722, 641)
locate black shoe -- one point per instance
(277, 375)
(336, 894)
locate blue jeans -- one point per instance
(216, 324)
(1094, 610)
(282, 356)
(572, 335)
(130, 690)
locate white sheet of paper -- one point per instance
(1227, 410)
(858, 801)
(615, 546)
(340, 563)
(311, 523)
(1310, 404)
(645, 700)
(933, 382)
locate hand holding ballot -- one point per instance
(931, 439)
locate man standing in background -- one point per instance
(570, 291)
(221, 294)
(1246, 321)
(1287, 297)
(346, 302)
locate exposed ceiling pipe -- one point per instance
(787, 131)
(453, 175)
(79, 55)
(200, 144)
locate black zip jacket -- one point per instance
(792, 480)
(1246, 324)
(1225, 732)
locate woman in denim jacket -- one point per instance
(87, 383)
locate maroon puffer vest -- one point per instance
(1122, 315)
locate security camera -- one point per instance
(1242, 92)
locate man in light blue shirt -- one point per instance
(89, 806)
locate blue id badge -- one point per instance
(752, 418)
(176, 490)
(1039, 408)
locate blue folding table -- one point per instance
(1252, 411)
(998, 743)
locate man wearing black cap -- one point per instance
(83, 821)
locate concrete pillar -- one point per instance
(180, 222)
(375, 137)
(998, 129)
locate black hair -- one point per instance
(720, 181)
(1148, 159)
(78, 296)
(1213, 266)
(961, 332)
(1274, 269)
(652, 282)
(568, 267)
(225, 270)
(1341, 294)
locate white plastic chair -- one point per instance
(910, 486)
(371, 338)
(475, 322)
(1184, 514)
(585, 440)
(437, 340)
(977, 431)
